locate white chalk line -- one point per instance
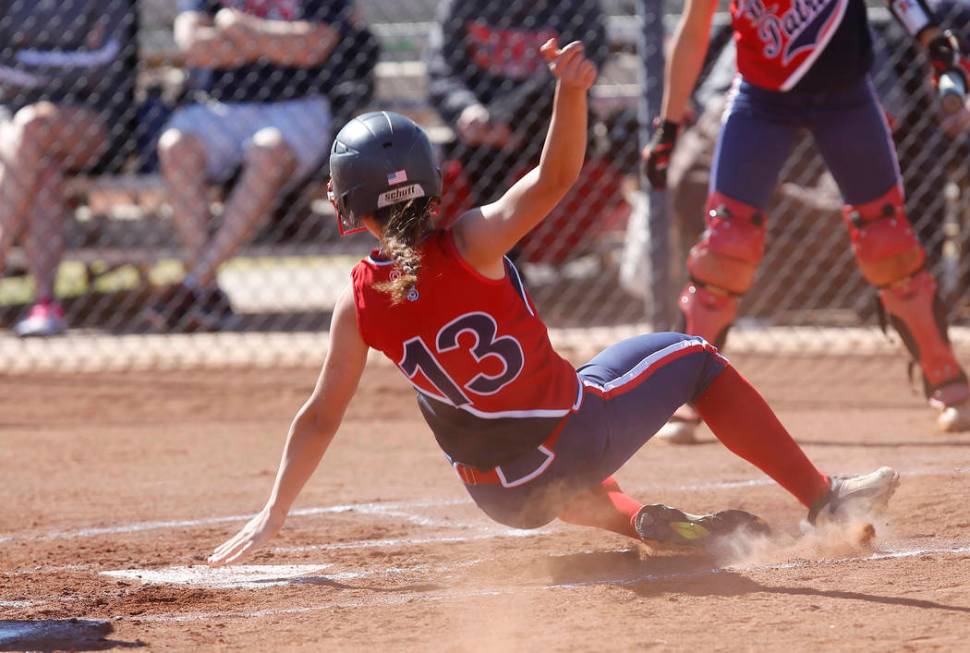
(436, 596)
(392, 509)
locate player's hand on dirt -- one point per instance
(569, 65)
(656, 155)
(252, 537)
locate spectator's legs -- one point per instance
(45, 140)
(44, 240)
(268, 164)
(183, 163)
(21, 153)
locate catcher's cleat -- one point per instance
(954, 419)
(660, 524)
(855, 496)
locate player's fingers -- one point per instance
(572, 48)
(216, 559)
(220, 553)
(222, 548)
(242, 553)
(224, 557)
(572, 60)
(228, 544)
(571, 53)
(588, 72)
(231, 544)
(566, 65)
(549, 49)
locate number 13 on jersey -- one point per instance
(506, 349)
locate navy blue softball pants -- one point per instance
(629, 391)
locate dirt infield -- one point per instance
(116, 487)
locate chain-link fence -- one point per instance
(164, 171)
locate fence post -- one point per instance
(650, 46)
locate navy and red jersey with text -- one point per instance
(489, 382)
(811, 46)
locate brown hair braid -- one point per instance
(403, 227)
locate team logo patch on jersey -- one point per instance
(399, 195)
(398, 177)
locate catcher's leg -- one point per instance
(891, 258)
(857, 145)
(721, 268)
(753, 144)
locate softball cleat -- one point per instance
(954, 419)
(855, 496)
(666, 526)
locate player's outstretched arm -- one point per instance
(485, 234)
(310, 434)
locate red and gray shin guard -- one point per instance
(891, 258)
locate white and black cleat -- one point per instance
(855, 496)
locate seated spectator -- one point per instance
(275, 73)
(490, 85)
(67, 75)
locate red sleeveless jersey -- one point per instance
(779, 41)
(488, 380)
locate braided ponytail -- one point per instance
(403, 228)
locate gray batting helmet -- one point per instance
(379, 159)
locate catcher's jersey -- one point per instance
(815, 45)
(489, 383)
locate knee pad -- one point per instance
(918, 314)
(707, 312)
(886, 248)
(728, 253)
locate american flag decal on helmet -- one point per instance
(398, 177)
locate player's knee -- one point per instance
(885, 245)
(732, 246)
(270, 153)
(180, 153)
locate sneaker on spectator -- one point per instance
(44, 319)
(181, 308)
